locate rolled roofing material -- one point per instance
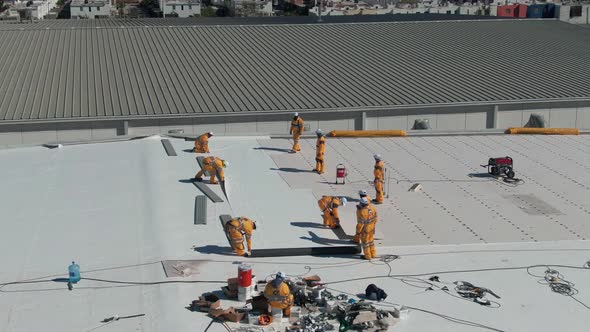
(543, 131)
(367, 133)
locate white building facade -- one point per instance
(182, 8)
(90, 9)
(38, 9)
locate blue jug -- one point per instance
(74, 273)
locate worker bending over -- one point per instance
(366, 218)
(278, 294)
(214, 166)
(363, 193)
(379, 178)
(202, 143)
(296, 131)
(236, 230)
(329, 206)
(320, 149)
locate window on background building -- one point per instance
(190, 7)
(173, 7)
(181, 7)
(89, 9)
(575, 11)
(508, 11)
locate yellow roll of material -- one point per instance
(543, 131)
(367, 133)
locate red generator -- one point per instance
(341, 173)
(501, 166)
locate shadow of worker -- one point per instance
(214, 249)
(313, 237)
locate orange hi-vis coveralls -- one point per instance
(214, 166)
(202, 143)
(237, 229)
(320, 149)
(366, 217)
(279, 297)
(329, 206)
(378, 182)
(296, 131)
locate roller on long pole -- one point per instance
(307, 251)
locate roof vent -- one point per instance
(421, 124)
(535, 121)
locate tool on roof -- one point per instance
(500, 166)
(477, 294)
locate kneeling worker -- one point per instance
(202, 143)
(278, 295)
(215, 167)
(329, 206)
(236, 230)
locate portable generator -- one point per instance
(501, 166)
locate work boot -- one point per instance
(246, 255)
(213, 182)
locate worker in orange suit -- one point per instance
(296, 130)
(329, 206)
(278, 294)
(379, 173)
(320, 149)
(202, 143)
(214, 166)
(366, 216)
(237, 229)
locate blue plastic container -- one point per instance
(74, 273)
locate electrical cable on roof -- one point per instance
(449, 318)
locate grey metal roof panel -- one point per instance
(172, 22)
(79, 73)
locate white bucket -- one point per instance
(277, 314)
(244, 293)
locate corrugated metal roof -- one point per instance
(140, 22)
(160, 71)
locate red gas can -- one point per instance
(244, 275)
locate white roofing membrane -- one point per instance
(118, 209)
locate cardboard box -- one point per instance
(230, 294)
(232, 315)
(232, 284)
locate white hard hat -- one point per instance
(281, 275)
(319, 131)
(363, 192)
(343, 201)
(211, 133)
(377, 157)
(225, 163)
(296, 114)
(364, 201)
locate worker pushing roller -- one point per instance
(329, 206)
(366, 215)
(296, 130)
(379, 178)
(202, 143)
(237, 229)
(320, 149)
(278, 295)
(214, 166)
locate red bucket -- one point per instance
(244, 275)
(340, 172)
